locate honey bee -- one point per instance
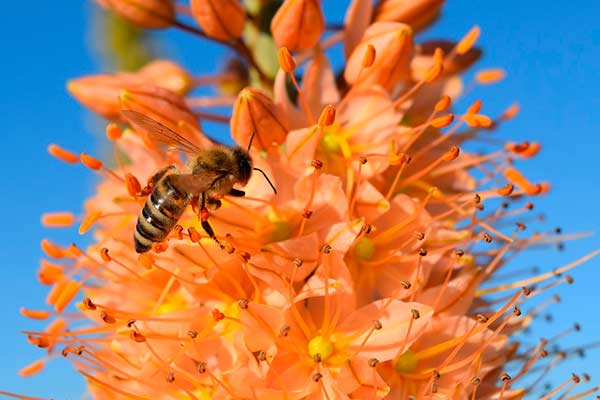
(213, 173)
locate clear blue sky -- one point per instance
(551, 50)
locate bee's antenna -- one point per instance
(265, 175)
(250, 145)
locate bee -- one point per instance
(213, 174)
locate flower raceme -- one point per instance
(367, 275)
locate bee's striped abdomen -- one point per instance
(161, 212)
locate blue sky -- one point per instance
(551, 51)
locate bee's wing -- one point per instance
(158, 133)
(197, 183)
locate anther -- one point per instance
(443, 121)
(373, 362)
(506, 190)
(217, 315)
(243, 303)
(62, 154)
(366, 228)
(517, 311)
(260, 355)
(316, 164)
(369, 57)
(482, 319)
(363, 160)
(160, 247)
(133, 185)
(194, 235)
(451, 154)
(90, 162)
(475, 381)
(327, 116)
(436, 374)
(486, 237)
(286, 61)
(477, 198)
(113, 132)
(245, 255)
(434, 387)
(577, 327)
(192, 333)
(317, 358)
(89, 304)
(146, 260)
(459, 252)
(284, 331)
(415, 313)
(137, 337)
(443, 103)
(131, 323)
(543, 353)
(317, 377)
(405, 284)
(422, 252)
(569, 279)
(201, 367)
(475, 107)
(504, 377)
(521, 226)
(529, 206)
(178, 231)
(526, 291)
(326, 249)
(89, 221)
(377, 324)
(586, 377)
(170, 377)
(307, 214)
(104, 254)
(297, 262)
(558, 230)
(419, 235)
(106, 317)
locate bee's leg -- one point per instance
(169, 169)
(237, 193)
(204, 219)
(214, 204)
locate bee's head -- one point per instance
(244, 164)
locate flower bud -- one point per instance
(145, 13)
(394, 47)
(298, 24)
(100, 93)
(168, 75)
(220, 19)
(255, 113)
(416, 13)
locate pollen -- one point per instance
(364, 249)
(90, 162)
(320, 348)
(58, 219)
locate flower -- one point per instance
(366, 275)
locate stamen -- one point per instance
(62, 154)
(88, 221)
(467, 42)
(91, 162)
(489, 76)
(58, 219)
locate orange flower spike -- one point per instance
(58, 219)
(49, 273)
(298, 24)
(154, 14)
(254, 113)
(489, 76)
(32, 368)
(62, 154)
(514, 176)
(90, 162)
(35, 314)
(88, 221)
(394, 47)
(416, 13)
(468, 41)
(220, 19)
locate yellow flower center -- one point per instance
(320, 347)
(330, 143)
(364, 249)
(407, 362)
(280, 231)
